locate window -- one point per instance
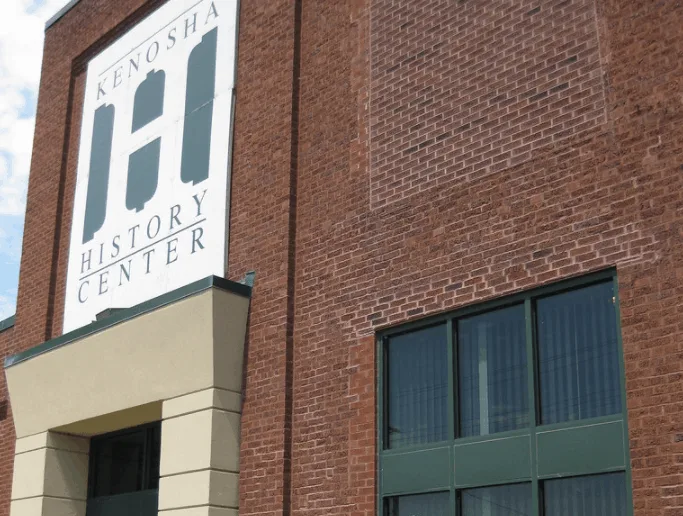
(492, 372)
(578, 355)
(418, 392)
(125, 462)
(513, 499)
(433, 504)
(510, 408)
(599, 495)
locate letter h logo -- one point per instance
(143, 163)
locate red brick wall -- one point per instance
(260, 216)
(461, 90)
(349, 232)
(7, 436)
(645, 42)
(602, 191)
(333, 456)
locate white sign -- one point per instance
(151, 201)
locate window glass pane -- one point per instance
(119, 464)
(417, 375)
(509, 500)
(578, 355)
(600, 495)
(433, 504)
(492, 370)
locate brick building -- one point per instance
(442, 274)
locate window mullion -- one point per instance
(453, 412)
(382, 390)
(384, 433)
(452, 382)
(531, 388)
(622, 386)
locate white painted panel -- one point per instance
(171, 239)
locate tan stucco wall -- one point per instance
(50, 476)
(187, 346)
(180, 364)
(199, 470)
(114, 421)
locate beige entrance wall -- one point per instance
(200, 454)
(50, 475)
(180, 363)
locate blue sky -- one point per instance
(22, 25)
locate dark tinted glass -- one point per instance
(118, 464)
(492, 368)
(417, 377)
(154, 458)
(126, 462)
(433, 504)
(600, 495)
(510, 500)
(578, 355)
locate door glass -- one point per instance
(119, 464)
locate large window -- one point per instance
(511, 408)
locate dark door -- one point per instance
(124, 472)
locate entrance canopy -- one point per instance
(176, 359)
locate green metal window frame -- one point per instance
(535, 454)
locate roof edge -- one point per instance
(6, 324)
(60, 13)
(126, 314)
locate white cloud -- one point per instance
(10, 243)
(7, 306)
(22, 25)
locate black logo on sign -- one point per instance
(143, 163)
(98, 182)
(199, 94)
